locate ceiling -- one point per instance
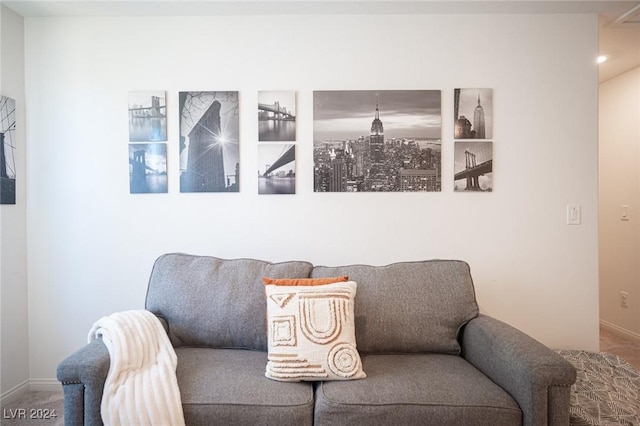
(619, 20)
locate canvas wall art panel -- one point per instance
(7, 150)
(473, 166)
(147, 116)
(209, 141)
(370, 141)
(147, 168)
(277, 116)
(473, 113)
(276, 169)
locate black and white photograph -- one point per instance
(473, 113)
(209, 141)
(147, 116)
(377, 141)
(277, 116)
(276, 169)
(147, 168)
(473, 166)
(7, 150)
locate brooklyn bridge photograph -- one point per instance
(147, 168)
(7, 150)
(147, 116)
(386, 140)
(473, 166)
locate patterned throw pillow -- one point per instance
(312, 333)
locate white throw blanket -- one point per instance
(141, 386)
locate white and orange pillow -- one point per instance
(311, 331)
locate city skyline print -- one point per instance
(473, 166)
(147, 168)
(209, 141)
(276, 168)
(7, 150)
(147, 116)
(382, 141)
(473, 113)
(277, 116)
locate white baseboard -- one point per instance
(620, 331)
(14, 393)
(49, 385)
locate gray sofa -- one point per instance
(429, 356)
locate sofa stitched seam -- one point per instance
(515, 410)
(231, 404)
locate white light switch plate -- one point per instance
(574, 214)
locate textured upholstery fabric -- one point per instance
(212, 302)
(521, 365)
(408, 319)
(83, 374)
(409, 306)
(425, 389)
(311, 333)
(228, 387)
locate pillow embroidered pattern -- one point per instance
(312, 333)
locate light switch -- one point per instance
(574, 214)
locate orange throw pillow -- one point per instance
(304, 281)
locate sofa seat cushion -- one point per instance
(228, 386)
(427, 389)
(410, 306)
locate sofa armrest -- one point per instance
(83, 374)
(535, 376)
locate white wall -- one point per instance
(14, 364)
(620, 185)
(92, 244)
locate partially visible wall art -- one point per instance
(147, 116)
(209, 141)
(386, 140)
(7, 150)
(147, 168)
(473, 166)
(277, 116)
(276, 169)
(473, 113)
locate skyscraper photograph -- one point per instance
(473, 113)
(387, 140)
(209, 142)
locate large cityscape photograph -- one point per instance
(367, 140)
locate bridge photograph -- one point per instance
(7, 150)
(277, 116)
(276, 169)
(473, 166)
(147, 168)
(147, 116)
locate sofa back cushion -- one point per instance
(410, 306)
(212, 302)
